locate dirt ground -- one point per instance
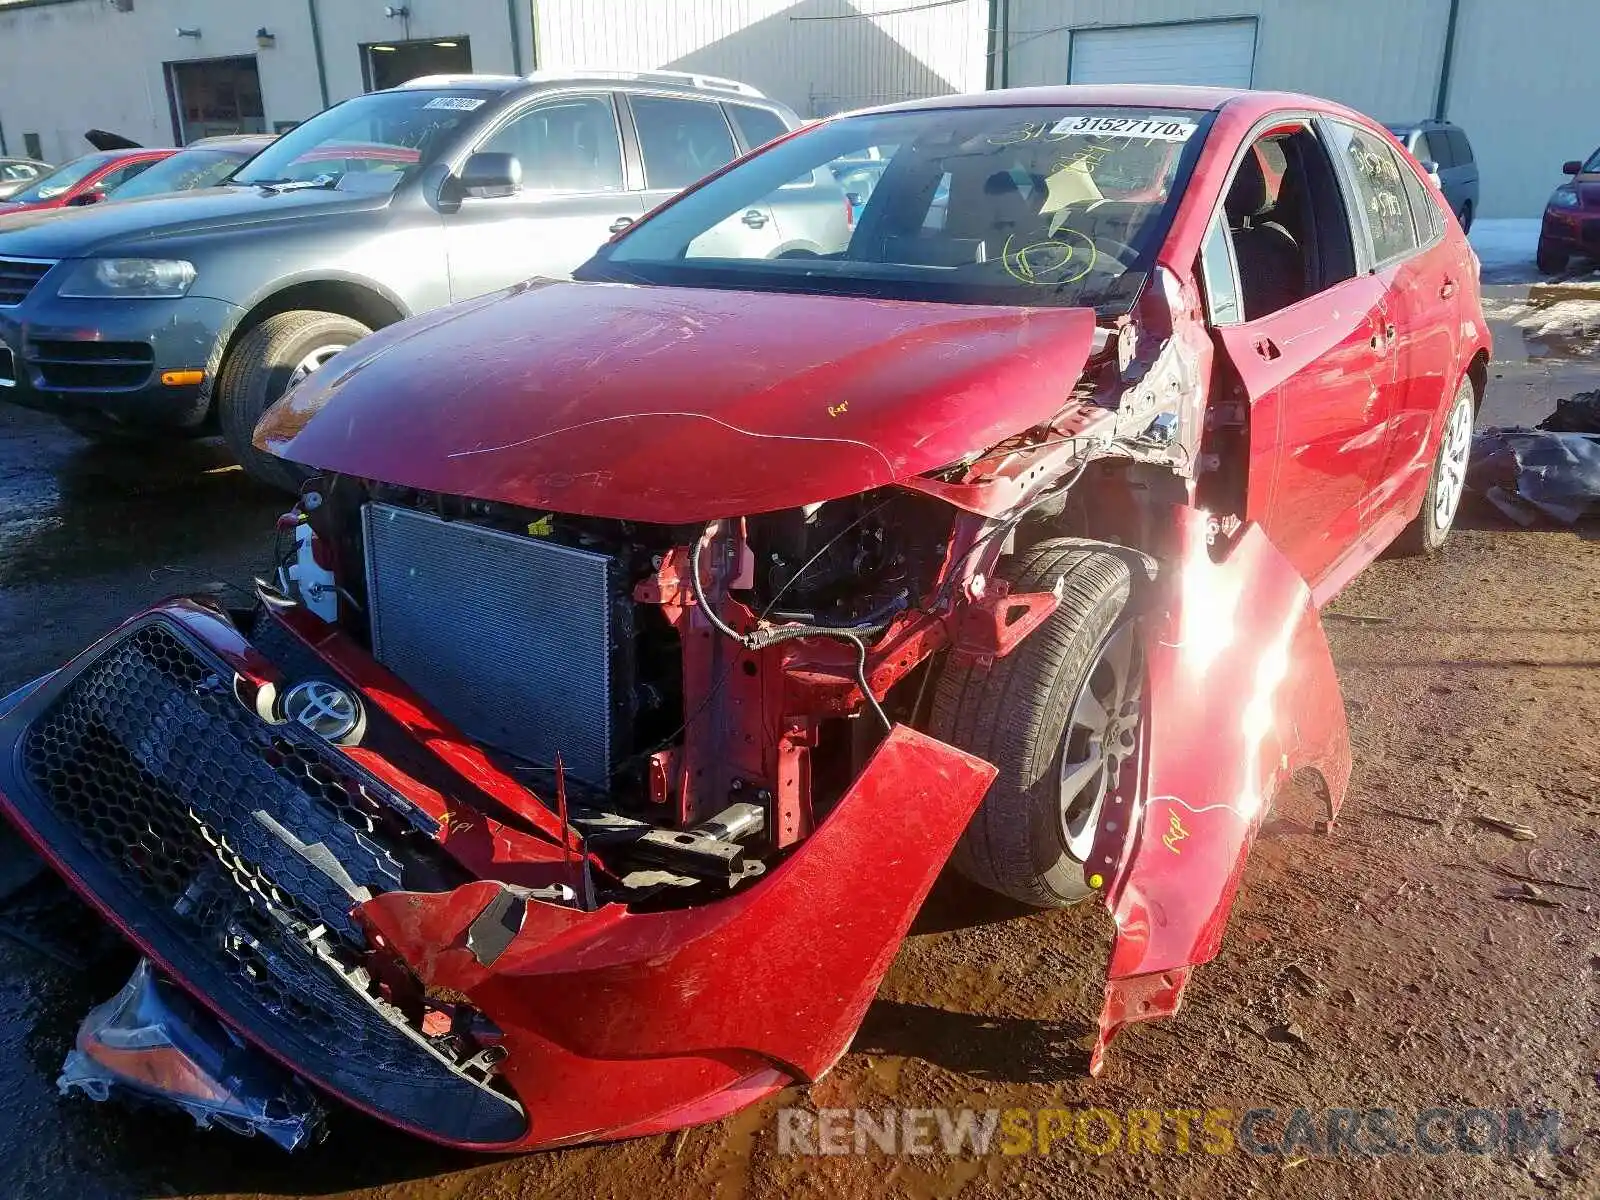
(1386, 965)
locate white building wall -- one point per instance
(1526, 90)
(68, 67)
(1523, 85)
(817, 56)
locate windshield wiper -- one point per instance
(278, 186)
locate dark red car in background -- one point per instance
(651, 641)
(1572, 217)
(84, 180)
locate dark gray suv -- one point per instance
(191, 314)
(1446, 154)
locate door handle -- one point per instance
(620, 224)
(1448, 290)
(755, 219)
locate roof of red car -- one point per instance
(1137, 95)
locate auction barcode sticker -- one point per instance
(1160, 129)
(458, 103)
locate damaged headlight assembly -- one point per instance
(129, 278)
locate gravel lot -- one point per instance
(1379, 967)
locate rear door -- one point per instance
(1420, 271)
(681, 141)
(573, 196)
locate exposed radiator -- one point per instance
(510, 637)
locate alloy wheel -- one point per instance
(1454, 453)
(1100, 738)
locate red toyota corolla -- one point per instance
(84, 180)
(650, 641)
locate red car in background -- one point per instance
(1572, 218)
(84, 180)
(653, 639)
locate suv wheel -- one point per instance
(1466, 217)
(1427, 534)
(268, 361)
(1549, 260)
(1059, 716)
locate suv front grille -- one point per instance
(150, 780)
(18, 277)
(70, 366)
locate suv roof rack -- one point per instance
(690, 78)
(422, 81)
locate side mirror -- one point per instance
(85, 198)
(489, 175)
(1572, 167)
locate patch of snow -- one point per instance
(1505, 242)
(1564, 319)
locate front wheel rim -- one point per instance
(1454, 453)
(311, 364)
(1099, 738)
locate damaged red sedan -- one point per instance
(646, 644)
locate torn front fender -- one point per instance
(1242, 696)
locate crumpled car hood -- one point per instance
(678, 405)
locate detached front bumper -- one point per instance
(300, 892)
(108, 357)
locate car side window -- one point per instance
(1460, 148)
(1436, 148)
(568, 144)
(1424, 208)
(1223, 301)
(1286, 222)
(115, 179)
(1377, 177)
(682, 141)
(757, 126)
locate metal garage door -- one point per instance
(1219, 53)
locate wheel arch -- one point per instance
(351, 296)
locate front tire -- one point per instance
(1549, 260)
(1059, 717)
(274, 356)
(1426, 535)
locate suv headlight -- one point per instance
(133, 278)
(1565, 196)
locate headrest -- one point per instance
(1257, 185)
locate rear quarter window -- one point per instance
(757, 126)
(1460, 148)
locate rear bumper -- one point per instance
(108, 356)
(614, 1022)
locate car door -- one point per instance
(1416, 265)
(681, 141)
(573, 196)
(1433, 146)
(1313, 373)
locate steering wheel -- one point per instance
(1061, 258)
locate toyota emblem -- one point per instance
(331, 712)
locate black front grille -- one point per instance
(172, 801)
(18, 277)
(70, 366)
